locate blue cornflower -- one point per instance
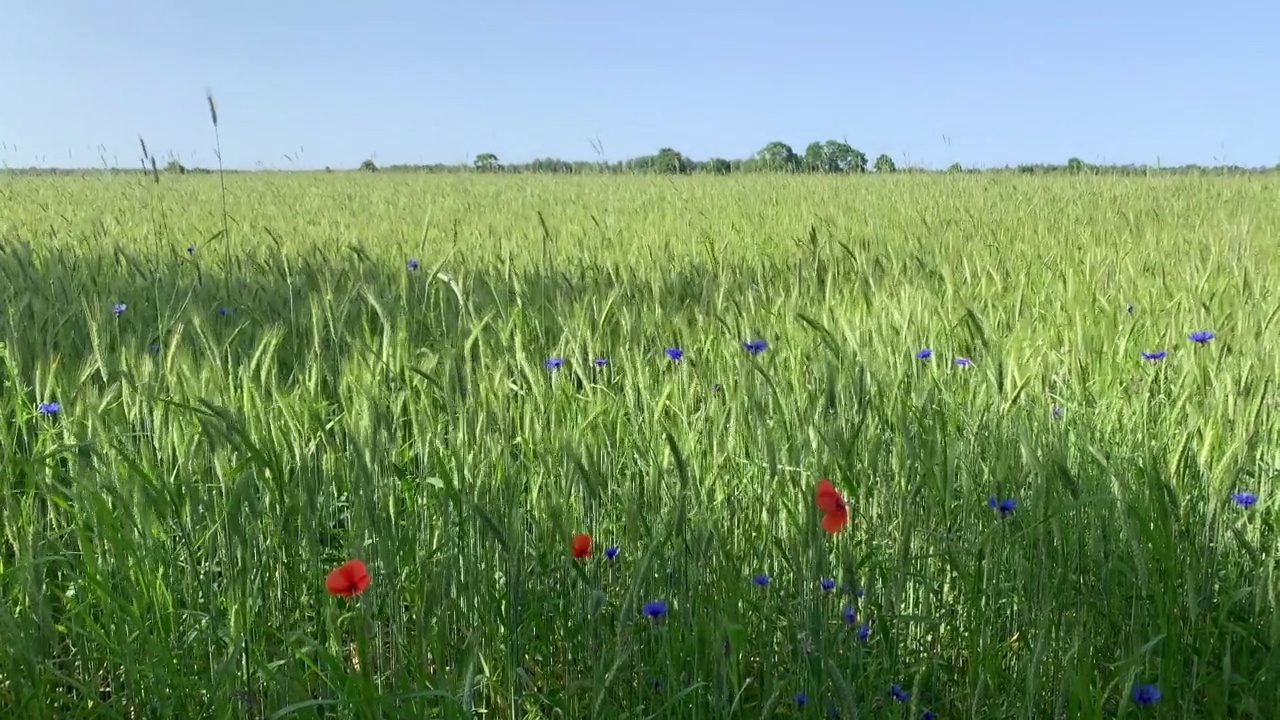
(611, 552)
(1201, 336)
(896, 691)
(760, 579)
(849, 614)
(674, 353)
(1153, 356)
(717, 388)
(553, 363)
(755, 347)
(924, 354)
(1055, 412)
(49, 408)
(1145, 694)
(929, 715)
(827, 584)
(655, 608)
(963, 362)
(801, 699)
(864, 631)
(601, 362)
(119, 309)
(1244, 499)
(411, 263)
(1005, 506)
(155, 348)
(1129, 308)
(223, 311)
(191, 249)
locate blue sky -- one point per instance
(983, 82)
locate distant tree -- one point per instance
(777, 156)
(670, 162)
(487, 162)
(844, 158)
(368, 166)
(955, 168)
(550, 165)
(718, 166)
(885, 164)
(833, 156)
(1076, 166)
(817, 160)
(173, 166)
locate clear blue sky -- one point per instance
(931, 82)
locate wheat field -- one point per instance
(212, 397)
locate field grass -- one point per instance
(290, 395)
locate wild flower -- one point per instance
(581, 546)
(1145, 694)
(348, 579)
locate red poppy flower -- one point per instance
(834, 512)
(581, 545)
(348, 579)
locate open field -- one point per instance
(290, 395)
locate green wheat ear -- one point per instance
(213, 107)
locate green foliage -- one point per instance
(777, 156)
(885, 164)
(666, 162)
(1076, 166)
(487, 162)
(718, 166)
(670, 162)
(830, 156)
(815, 158)
(834, 156)
(164, 537)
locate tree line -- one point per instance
(827, 157)
(835, 157)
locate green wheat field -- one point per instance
(211, 400)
